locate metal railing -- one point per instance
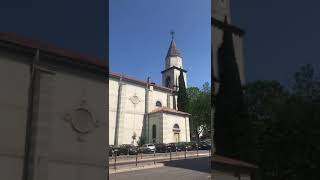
(117, 160)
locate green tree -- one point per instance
(199, 108)
(285, 126)
(141, 141)
(182, 94)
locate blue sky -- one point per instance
(281, 37)
(139, 37)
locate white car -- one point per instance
(148, 148)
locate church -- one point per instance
(224, 167)
(141, 109)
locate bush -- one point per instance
(141, 141)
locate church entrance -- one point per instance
(177, 137)
(176, 131)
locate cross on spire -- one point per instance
(172, 33)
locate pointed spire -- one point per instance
(172, 34)
(173, 50)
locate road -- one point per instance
(190, 169)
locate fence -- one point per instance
(155, 157)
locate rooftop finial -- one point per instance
(172, 33)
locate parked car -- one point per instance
(161, 148)
(188, 146)
(128, 149)
(147, 148)
(180, 147)
(204, 146)
(115, 150)
(171, 147)
(110, 149)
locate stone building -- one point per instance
(53, 112)
(222, 167)
(144, 109)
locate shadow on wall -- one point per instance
(198, 164)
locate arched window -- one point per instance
(158, 104)
(176, 126)
(154, 131)
(168, 81)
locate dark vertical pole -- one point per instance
(197, 150)
(170, 154)
(115, 161)
(154, 157)
(137, 159)
(147, 109)
(27, 171)
(185, 154)
(128, 153)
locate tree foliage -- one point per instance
(141, 141)
(286, 127)
(182, 94)
(199, 108)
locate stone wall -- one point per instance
(61, 147)
(14, 78)
(132, 109)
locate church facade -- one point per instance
(144, 110)
(52, 110)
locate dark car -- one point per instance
(180, 147)
(188, 146)
(204, 146)
(127, 149)
(161, 148)
(110, 149)
(115, 150)
(171, 147)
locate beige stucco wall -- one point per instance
(164, 127)
(174, 76)
(14, 78)
(156, 119)
(217, 35)
(174, 61)
(70, 158)
(168, 122)
(132, 115)
(113, 100)
(58, 153)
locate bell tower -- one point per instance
(221, 9)
(220, 20)
(173, 66)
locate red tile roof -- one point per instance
(15, 39)
(169, 110)
(49, 48)
(224, 160)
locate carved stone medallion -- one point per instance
(135, 99)
(81, 121)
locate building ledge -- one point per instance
(217, 160)
(169, 110)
